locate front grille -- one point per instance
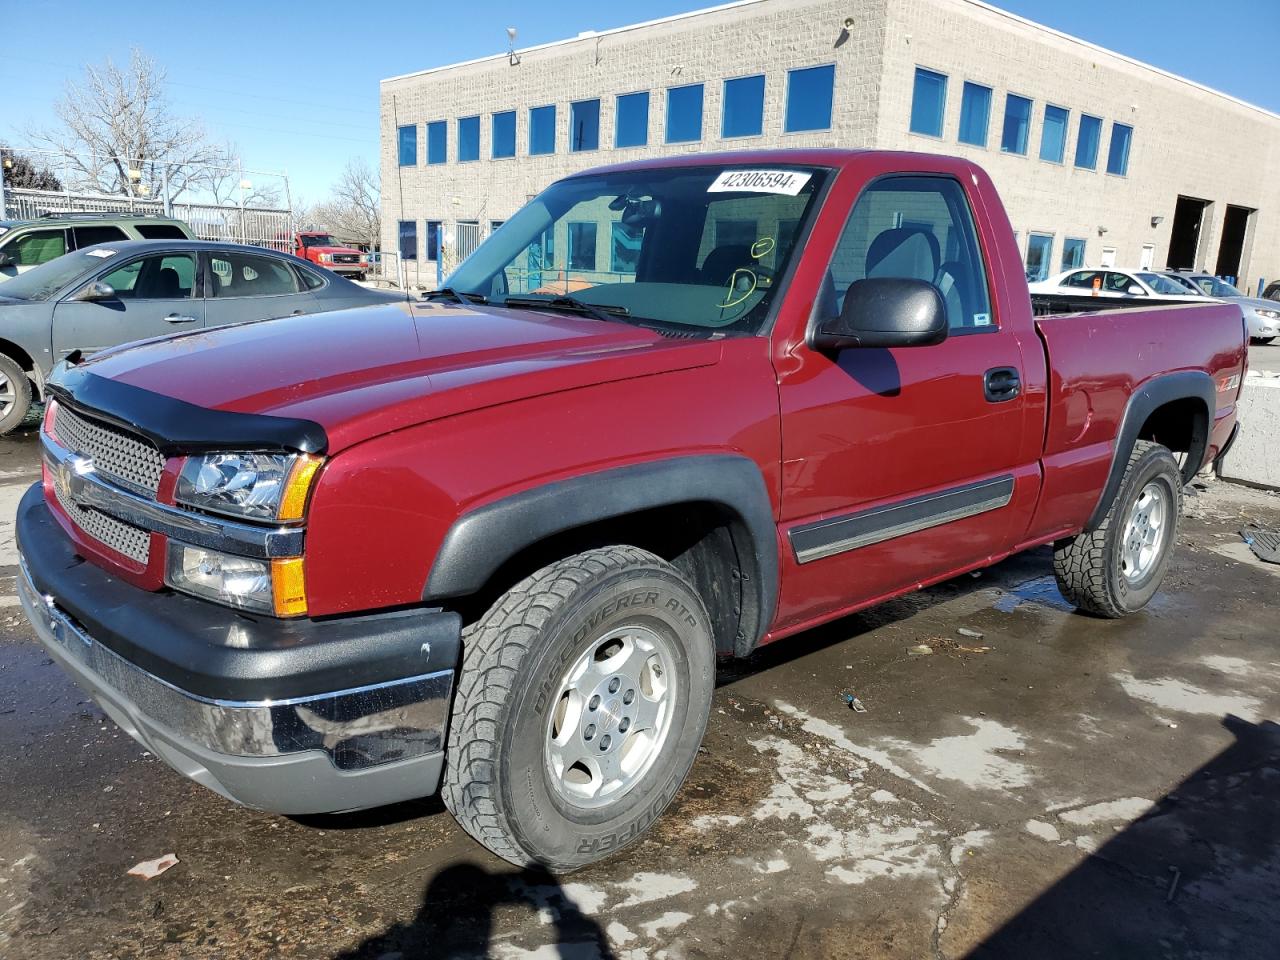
(119, 536)
(345, 258)
(129, 460)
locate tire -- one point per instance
(501, 781)
(1101, 571)
(15, 395)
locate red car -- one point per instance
(496, 542)
(322, 250)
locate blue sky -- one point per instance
(295, 85)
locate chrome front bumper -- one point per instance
(349, 749)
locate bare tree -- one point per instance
(224, 178)
(20, 172)
(118, 132)
(354, 209)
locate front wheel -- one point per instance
(1116, 569)
(583, 696)
(15, 395)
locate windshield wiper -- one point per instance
(466, 299)
(568, 304)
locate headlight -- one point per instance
(363, 258)
(255, 486)
(326, 258)
(1270, 314)
(265, 586)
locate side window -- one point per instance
(165, 277)
(919, 228)
(105, 233)
(38, 246)
(1084, 279)
(243, 275)
(160, 231)
(310, 280)
(1120, 283)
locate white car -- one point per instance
(1116, 283)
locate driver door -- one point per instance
(152, 296)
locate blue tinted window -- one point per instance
(468, 139)
(504, 134)
(1072, 253)
(809, 94)
(433, 239)
(437, 142)
(1087, 139)
(408, 239)
(584, 125)
(631, 126)
(928, 102)
(542, 130)
(684, 114)
(1017, 124)
(1118, 154)
(1039, 252)
(1053, 138)
(582, 245)
(625, 247)
(743, 107)
(408, 140)
(975, 114)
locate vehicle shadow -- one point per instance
(456, 918)
(1197, 876)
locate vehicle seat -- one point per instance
(720, 263)
(950, 283)
(168, 285)
(909, 252)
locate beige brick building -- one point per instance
(1191, 184)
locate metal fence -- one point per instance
(254, 225)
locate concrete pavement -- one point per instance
(1057, 787)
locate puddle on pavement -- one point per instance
(1042, 592)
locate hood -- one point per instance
(1256, 303)
(366, 371)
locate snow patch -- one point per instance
(668, 921)
(1045, 831)
(649, 887)
(1127, 809)
(975, 759)
(1170, 693)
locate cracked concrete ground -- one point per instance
(1057, 787)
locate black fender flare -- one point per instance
(1149, 397)
(481, 541)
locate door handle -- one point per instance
(180, 318)
(1001, 383)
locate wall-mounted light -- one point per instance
(1156, 221)
(1102, 231)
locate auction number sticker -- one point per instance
(101, 253)
(759, 181)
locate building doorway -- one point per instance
(1184, 239)
(1148, 256)
(1235, 227)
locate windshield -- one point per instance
(42, 282)
(320, 240)
(1163, 284)
(689, 247)
(1215, 287)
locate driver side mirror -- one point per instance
(1135, 291)
(97, 291)
(885, 312)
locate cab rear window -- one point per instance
(160, 231)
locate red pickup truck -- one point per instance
(495, 542)
(322, 250)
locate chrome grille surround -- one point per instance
(121, 537)
(121, 457)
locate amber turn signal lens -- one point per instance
(294, 502)
(288, 587)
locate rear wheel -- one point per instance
(583, 696)
(15, 395)
(1116, 569)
